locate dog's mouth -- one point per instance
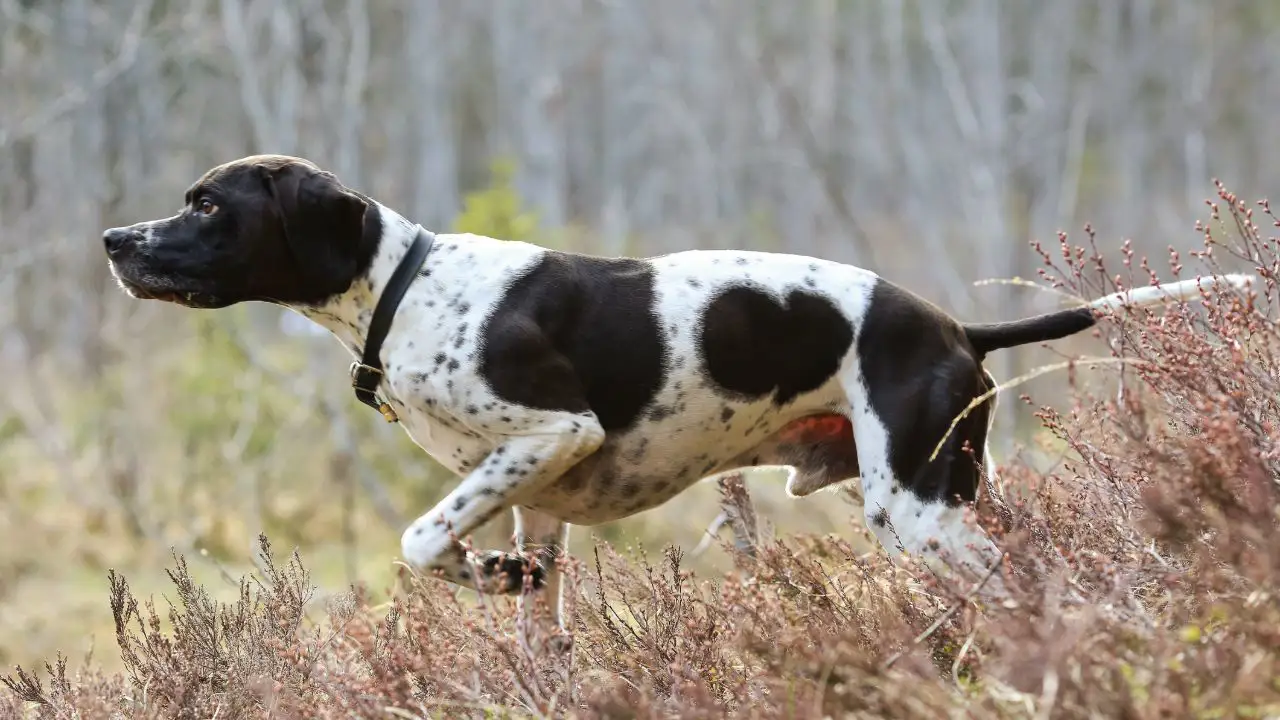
(166, 293)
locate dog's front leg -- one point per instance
(518, 466)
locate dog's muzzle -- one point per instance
(119, 241)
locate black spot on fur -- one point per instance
(881, 518)
(577, 333)
(660, 412)
(753, 346)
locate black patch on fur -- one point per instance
(511, 569)
(753, 346)
(577, 333)
(921, 372)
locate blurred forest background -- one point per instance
(930, 140)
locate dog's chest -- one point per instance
(432, 385)
(432, 352)
(456, 447)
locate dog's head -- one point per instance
(264, 227)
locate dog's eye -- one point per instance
(206, 207)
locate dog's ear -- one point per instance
(322, 223)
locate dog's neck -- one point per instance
(348, 315)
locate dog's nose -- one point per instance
(117, 238)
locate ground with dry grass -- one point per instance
(1142, 566)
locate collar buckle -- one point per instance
(365, 379)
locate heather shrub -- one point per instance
(1142, 575)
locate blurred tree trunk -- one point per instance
(431, 141)
(530, 97)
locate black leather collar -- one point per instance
(367, 374)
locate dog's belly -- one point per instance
(638, 471)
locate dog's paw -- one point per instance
(509, 569)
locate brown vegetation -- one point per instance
(1143, 566)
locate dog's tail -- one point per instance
(986, 337)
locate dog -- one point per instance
(576, 389)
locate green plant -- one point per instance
(497, 211)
